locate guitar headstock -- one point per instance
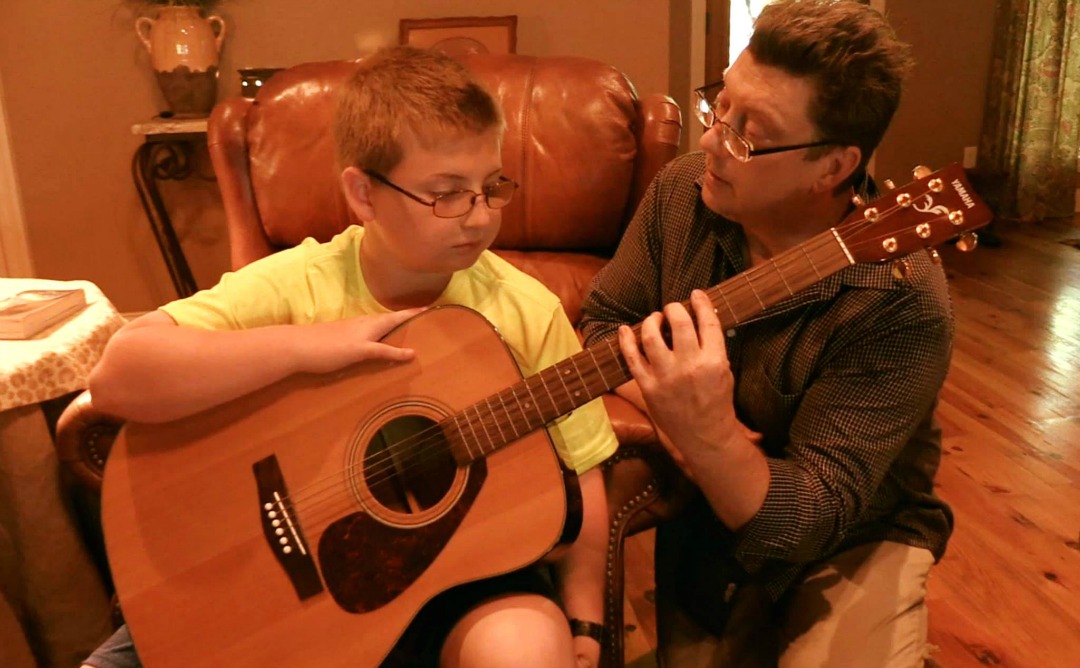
(930, 210)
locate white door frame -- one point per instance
(691, 127)
(15, 257)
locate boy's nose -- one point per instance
(479, 214)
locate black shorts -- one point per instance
(421, 643)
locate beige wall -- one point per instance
(75, 79)
(942, 108)
(14, 252)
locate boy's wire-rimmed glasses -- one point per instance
(740, 148)
(459, 202)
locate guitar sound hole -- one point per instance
(408, 465)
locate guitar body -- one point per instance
(277, 529)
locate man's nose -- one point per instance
(710, 141)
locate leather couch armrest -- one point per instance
(659, 133)
(84, 436)
(643, 488)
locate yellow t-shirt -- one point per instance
(316, 282)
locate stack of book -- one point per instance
(31, 311)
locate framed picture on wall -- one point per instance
(462, 35)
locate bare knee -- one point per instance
(519, 631)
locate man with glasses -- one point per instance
(807, 429)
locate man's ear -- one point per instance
(357, 188)
(838, 165)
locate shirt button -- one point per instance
(729, 592)
(730, 333)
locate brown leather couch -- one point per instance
(584, 147)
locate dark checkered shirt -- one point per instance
(841, 379)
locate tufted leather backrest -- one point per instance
(578, 139)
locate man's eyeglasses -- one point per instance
(741, 148)
(459, 202)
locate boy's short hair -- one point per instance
(851, 55)
(403, 89)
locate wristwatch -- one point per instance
(579, 627)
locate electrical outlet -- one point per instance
(971, 154)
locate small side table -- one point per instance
(167, 155)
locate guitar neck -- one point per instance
(500, 419)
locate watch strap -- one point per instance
(579, 627)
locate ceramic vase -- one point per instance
(185, 49)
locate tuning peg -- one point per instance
(967, 242)
(871, 214)
(935, 257)
(904, 200)
(935, 185)
(921, 171)
(901, 270)
(857, 200)
(889, 185)
(956, 217)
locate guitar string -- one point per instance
(423, 443)
(426, 442)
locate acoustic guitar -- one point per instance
(305, 524)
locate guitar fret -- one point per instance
(734, 315)
(584, 383)
(506, 410)
(502, 436)
(521, 408)
(484, 427)
(781, 275)
(569, 396)
(607, 385)
(746, 279)
(810, 260)
(554, 405)
(476, 438)
(535, 403)
(461, 435)
(613, 351)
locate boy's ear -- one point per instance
(357, 187)
(838, 165)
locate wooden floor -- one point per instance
(1007, 592)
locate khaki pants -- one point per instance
(864, 607)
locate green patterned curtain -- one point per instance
(1031, 129)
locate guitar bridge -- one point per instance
(281, 527)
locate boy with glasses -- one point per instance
(808, 429)
(419, 141)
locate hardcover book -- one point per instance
(25, 314)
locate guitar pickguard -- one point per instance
(367, 563)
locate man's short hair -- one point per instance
(402, 90)
(853, 57)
